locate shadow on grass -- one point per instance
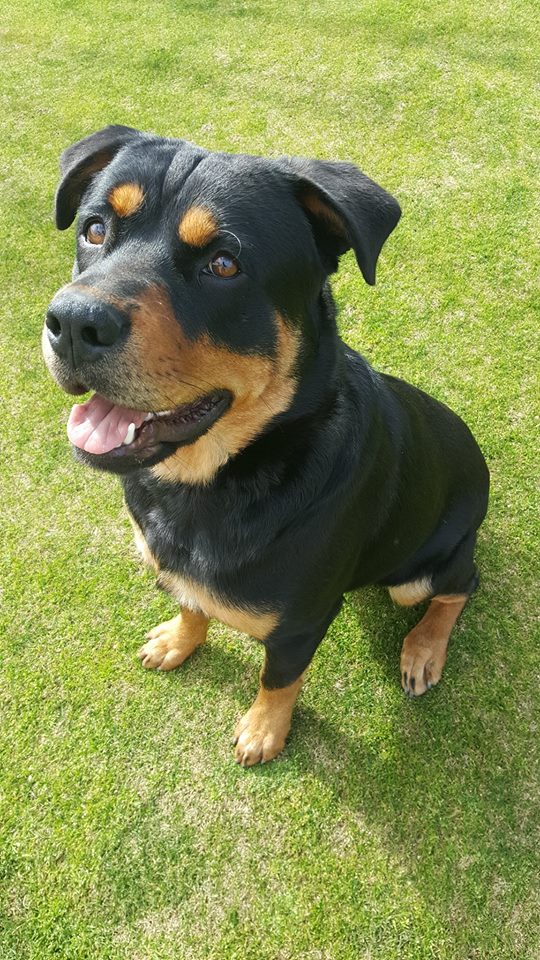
(438, 787)
(438, 784)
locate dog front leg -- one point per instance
(261, 733)
(172, 642)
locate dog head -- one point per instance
(195, 293)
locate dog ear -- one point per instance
(81, 161)
(346, 209)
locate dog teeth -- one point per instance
(130, 435)
(163, 413)
(148, 417)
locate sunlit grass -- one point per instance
(388, 829)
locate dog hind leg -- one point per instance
(423, 654)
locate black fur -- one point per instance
(363, 479)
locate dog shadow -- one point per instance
(420, 779)
(420, 785)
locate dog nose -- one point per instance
(81, 329)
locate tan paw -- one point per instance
(169, 644)
(257, 740)
(422, 664)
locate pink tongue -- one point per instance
(98, 426)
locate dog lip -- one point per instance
(170, 424)
(74, 388)
(161, 434)
(184, 424)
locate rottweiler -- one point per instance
(267, 468)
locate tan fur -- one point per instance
(262, 388)
(261, 733)
(407, 594)
(197, 227)
(194, 596)
(452, 598)
(172, 642)
(160, 368)
(142, 545)
(126, 199)
(80, 179)
(98, 294)
(176, 370)
(423, 655)
(316, 205)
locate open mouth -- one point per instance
(109, 436)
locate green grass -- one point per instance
(388, 829)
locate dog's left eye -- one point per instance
(224, 266)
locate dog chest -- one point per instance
(195, 596)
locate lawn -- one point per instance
(388, 829)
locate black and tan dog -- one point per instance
(266, 467)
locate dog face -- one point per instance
(193, 307)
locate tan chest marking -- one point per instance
(193, 596)
(142, 545)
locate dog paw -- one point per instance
(167, 646)
(421, 665)
(256, 740)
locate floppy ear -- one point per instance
(346, 209)
(81, 161)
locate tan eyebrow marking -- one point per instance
(126, 199)
(197, 227)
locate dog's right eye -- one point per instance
(95, 232)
